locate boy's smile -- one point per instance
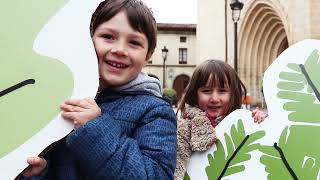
(121, 50)
(116, 64)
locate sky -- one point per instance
(174, 11)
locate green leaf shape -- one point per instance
(303, 158)
(312, 66)
(25, 111)
(216, 163)
(273, 162)
(238, 147)
(186, 177)
(303, 106)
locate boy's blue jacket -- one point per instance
(134, 138)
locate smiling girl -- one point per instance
(214, 91)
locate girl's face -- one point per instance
(121, 51)
(214, 100)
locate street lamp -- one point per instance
(164, 56)
(236, 7)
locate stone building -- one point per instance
(266, 28)
(180, 40)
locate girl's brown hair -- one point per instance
(139, 16)
(222, 74)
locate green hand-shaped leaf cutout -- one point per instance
(303, 106)
(239, 145)
(186, 177)
(29, 108)
(300, 160)
(296, 156)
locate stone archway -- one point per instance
(262, 38)
(180, 83)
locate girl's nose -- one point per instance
(214, 97)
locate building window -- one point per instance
(183, 39)
(183, 55)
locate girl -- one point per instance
(214, 91)
(129, 130)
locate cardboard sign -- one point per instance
(46, 56)
(285, 145)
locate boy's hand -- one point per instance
(258, 115)
(80, 111)
(37, 165)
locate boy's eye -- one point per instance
(136, 43)
(108, 36)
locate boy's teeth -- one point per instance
(118, 65)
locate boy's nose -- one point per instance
(119, 49)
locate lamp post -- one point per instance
(164, 51)
(236, 7)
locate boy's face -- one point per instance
(121, 51)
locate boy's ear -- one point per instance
(149, 55)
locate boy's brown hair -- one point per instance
(139, 16)
(222, 74)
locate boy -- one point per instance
(129, 131)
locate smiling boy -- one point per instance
(129, 131)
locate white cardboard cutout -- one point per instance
(281, 115)
(65, 37)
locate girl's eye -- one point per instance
(206, 90)
(223, 90)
